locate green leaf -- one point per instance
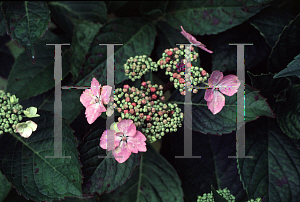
(154, 180)
(224, 56)
(293, 69)
(289, 113)
(207, 17)
(286, 48)
(224, 122)
(38, 178)
(153, 9)
(273, 173)
(137, 37)
(92, 11)
(213, 168)
(270, 22)
(71, 105)
(5, 187)
(2, 24)
(103, 175)
(84, 33)
(3, 83)
(14, 49)
(24, 76)
(27, 22)
(113, 6)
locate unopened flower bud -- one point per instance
(131, 111)
(125, 111)
(127, 99)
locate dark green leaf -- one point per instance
(224, 56)
(208, 17)
(38, 178)
(213, 168)
(5, 187)
(273, 173)
(94, 11)
(103, 175)
(2, 24)
(153, 9)
(154, 180)
(24, 76)
(27, 22)
(286, 48)
(114, 5)
(289, 113)
(270, 22)
(293, 69)
(137, 37)
(224, 122)
(84, 33)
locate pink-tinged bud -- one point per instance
(124, 90)
(169, 69)
(152, 89)
(160, 113)
(195, 57)
(161, 62)
(160, 87)
(126, 86)
(144, 84)
(127, 99)
(126, 71)
(139, 102)
(181, 80)
(162, 98)
(119, 119)
(133, 104)
(188, 65)
(119, 110)
(174, 75)
(148, 118)
(195, 90)
(134, 60)
(125, 106)
(136, 110)
(149, 108)
(133, 89)
(176, 56)
(153, 110)
(175, 49)
(151, 103)
(148, 82)
(143, 66)
(149, 125)
(141, 115)
(144, 101)
(131, 111)
(167, 59)
(125, 111)
(182, 93)
(192, 48)
(178, 76)
(166, 50)
(133, 67)
(154, 96)
(132, 73)
(172, 112)
(164, 62)
(203, 73)
(169, 53)
(143, 95)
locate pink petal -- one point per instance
(137, 143)
(87, 98)
(93, 111)
(105, 94)
(115, 140)
(95, 87)
(189, 37)
(203, 48)
(127, 127)
(121, 151)
(217, 103)
(209, 94)
(229, 85)
(215, 78)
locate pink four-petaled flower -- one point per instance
(194, 41)
(93, 99)
(228, 85)
(126, 139)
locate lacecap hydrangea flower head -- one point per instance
(126, 140)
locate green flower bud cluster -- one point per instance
(145, 107)
(136, 67)
(10, 112)
(225, 193)
(175, 63)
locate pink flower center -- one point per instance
(97, 99)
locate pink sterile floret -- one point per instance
(123, 139)
(144, 84)
(152, 89)
(174, 75)
(203, 73)
(153, 96)
(181, 80)
(169, 53)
